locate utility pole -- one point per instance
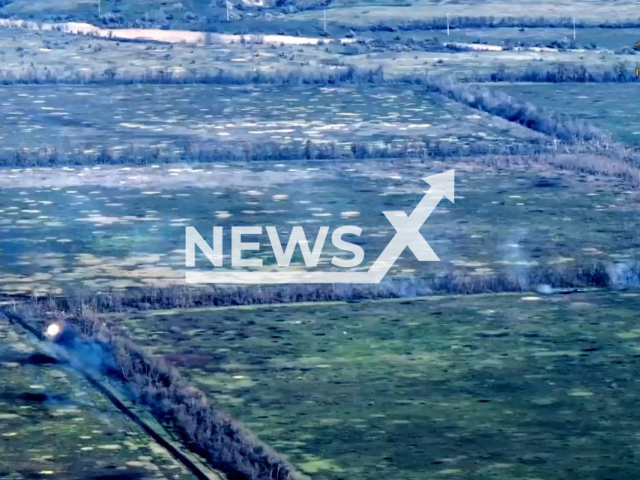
(325, 19)
(228, 16)
(447, 24)
(574, 28)
(99, 8)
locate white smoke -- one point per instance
(624, 274)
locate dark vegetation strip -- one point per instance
(399, 44)
(215, 23)
(269, 151)
(459, 22)
(564, 127)
(293, 26)
(342, 74)
(157, 437)
(596, 275)
(348, 74)
(220, 439)
(621, 72)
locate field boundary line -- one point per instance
(333, 303)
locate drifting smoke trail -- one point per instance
(518, 266)
(624, 275)
(81, 353)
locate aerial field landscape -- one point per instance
(124, 219)
(432, 387)
(484, 156)
(133, 116)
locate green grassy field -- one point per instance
(54, 425)
(609, 106)
(117, 227)
(502, 386)
(168, 116)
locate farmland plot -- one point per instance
(106, 227)
(496, 386)
(167, 117)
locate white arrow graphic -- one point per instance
(407, 235)
(408, 227)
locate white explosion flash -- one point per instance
(53, 330)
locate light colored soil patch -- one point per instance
(158, 35)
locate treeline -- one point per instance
(268, 151)
(339, 74)
(560, 73)
(317, 76)
(380, 45)
(435, 44)
(595, 275)
(562, 45)
(563, 127)
(459, 22)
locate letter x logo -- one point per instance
(408, 227)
